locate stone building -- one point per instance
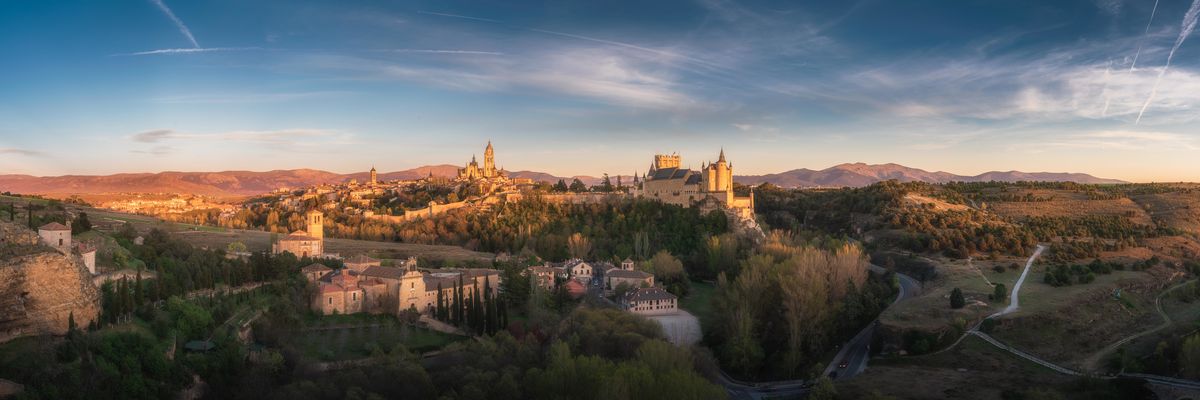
(393, 290)
(710, 188)
(374, 177)
(473, 171)
(56, 235)
(650, 301)
(634, 279)
(304, 244)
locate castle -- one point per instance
(304, 244)
(711, 188)
(392, 290)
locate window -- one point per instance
(354, 296)
(330, 300)
(60, 241)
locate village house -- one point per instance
(543, 277)
(56, 235)
(650, 301)
(633, 279)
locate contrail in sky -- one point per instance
(1146, 32)
(1185, 30)
(664, 53)
(178, 22)
(187, 50)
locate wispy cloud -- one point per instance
(20, 152)
(178, 22)
(282, 136)
(599, 74)
(187, 51)
(240, 98)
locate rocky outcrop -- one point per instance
(40, 289)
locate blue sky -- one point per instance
(588, 87)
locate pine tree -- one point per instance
(956, 299)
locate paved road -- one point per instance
(857, 351)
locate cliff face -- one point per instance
(40, 288)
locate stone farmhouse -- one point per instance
(58, 236)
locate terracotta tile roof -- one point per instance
(297, 236)
(622, 273)
(647, 294)
(54, 226)
(383, 272)
(315, 267)
(361, 259)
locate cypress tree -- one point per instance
(440, 304)
(458, 302)
(489, 307)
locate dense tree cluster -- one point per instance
(790, 302)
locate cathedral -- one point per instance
(488, 171)
(710, 188)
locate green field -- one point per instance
(699, 301)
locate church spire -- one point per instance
(722, 157)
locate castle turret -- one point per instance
(374, 176)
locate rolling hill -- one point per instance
(245, 183)
(860, 174)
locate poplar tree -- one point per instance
(440, 304)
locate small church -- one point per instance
(302, 244)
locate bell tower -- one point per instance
(316, 224)
(489, 161)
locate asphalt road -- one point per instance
(857, 351)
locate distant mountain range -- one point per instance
(859, 174)
(246, 183)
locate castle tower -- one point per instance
(489, 161)
(374, 176)
(666, 161)
(316, 224)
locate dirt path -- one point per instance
(1016, 292)
(1090, 363)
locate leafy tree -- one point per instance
(579, 246)
(999, 293)
(823, 390)
(81, 224)
(561, 186)
(577, 186)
